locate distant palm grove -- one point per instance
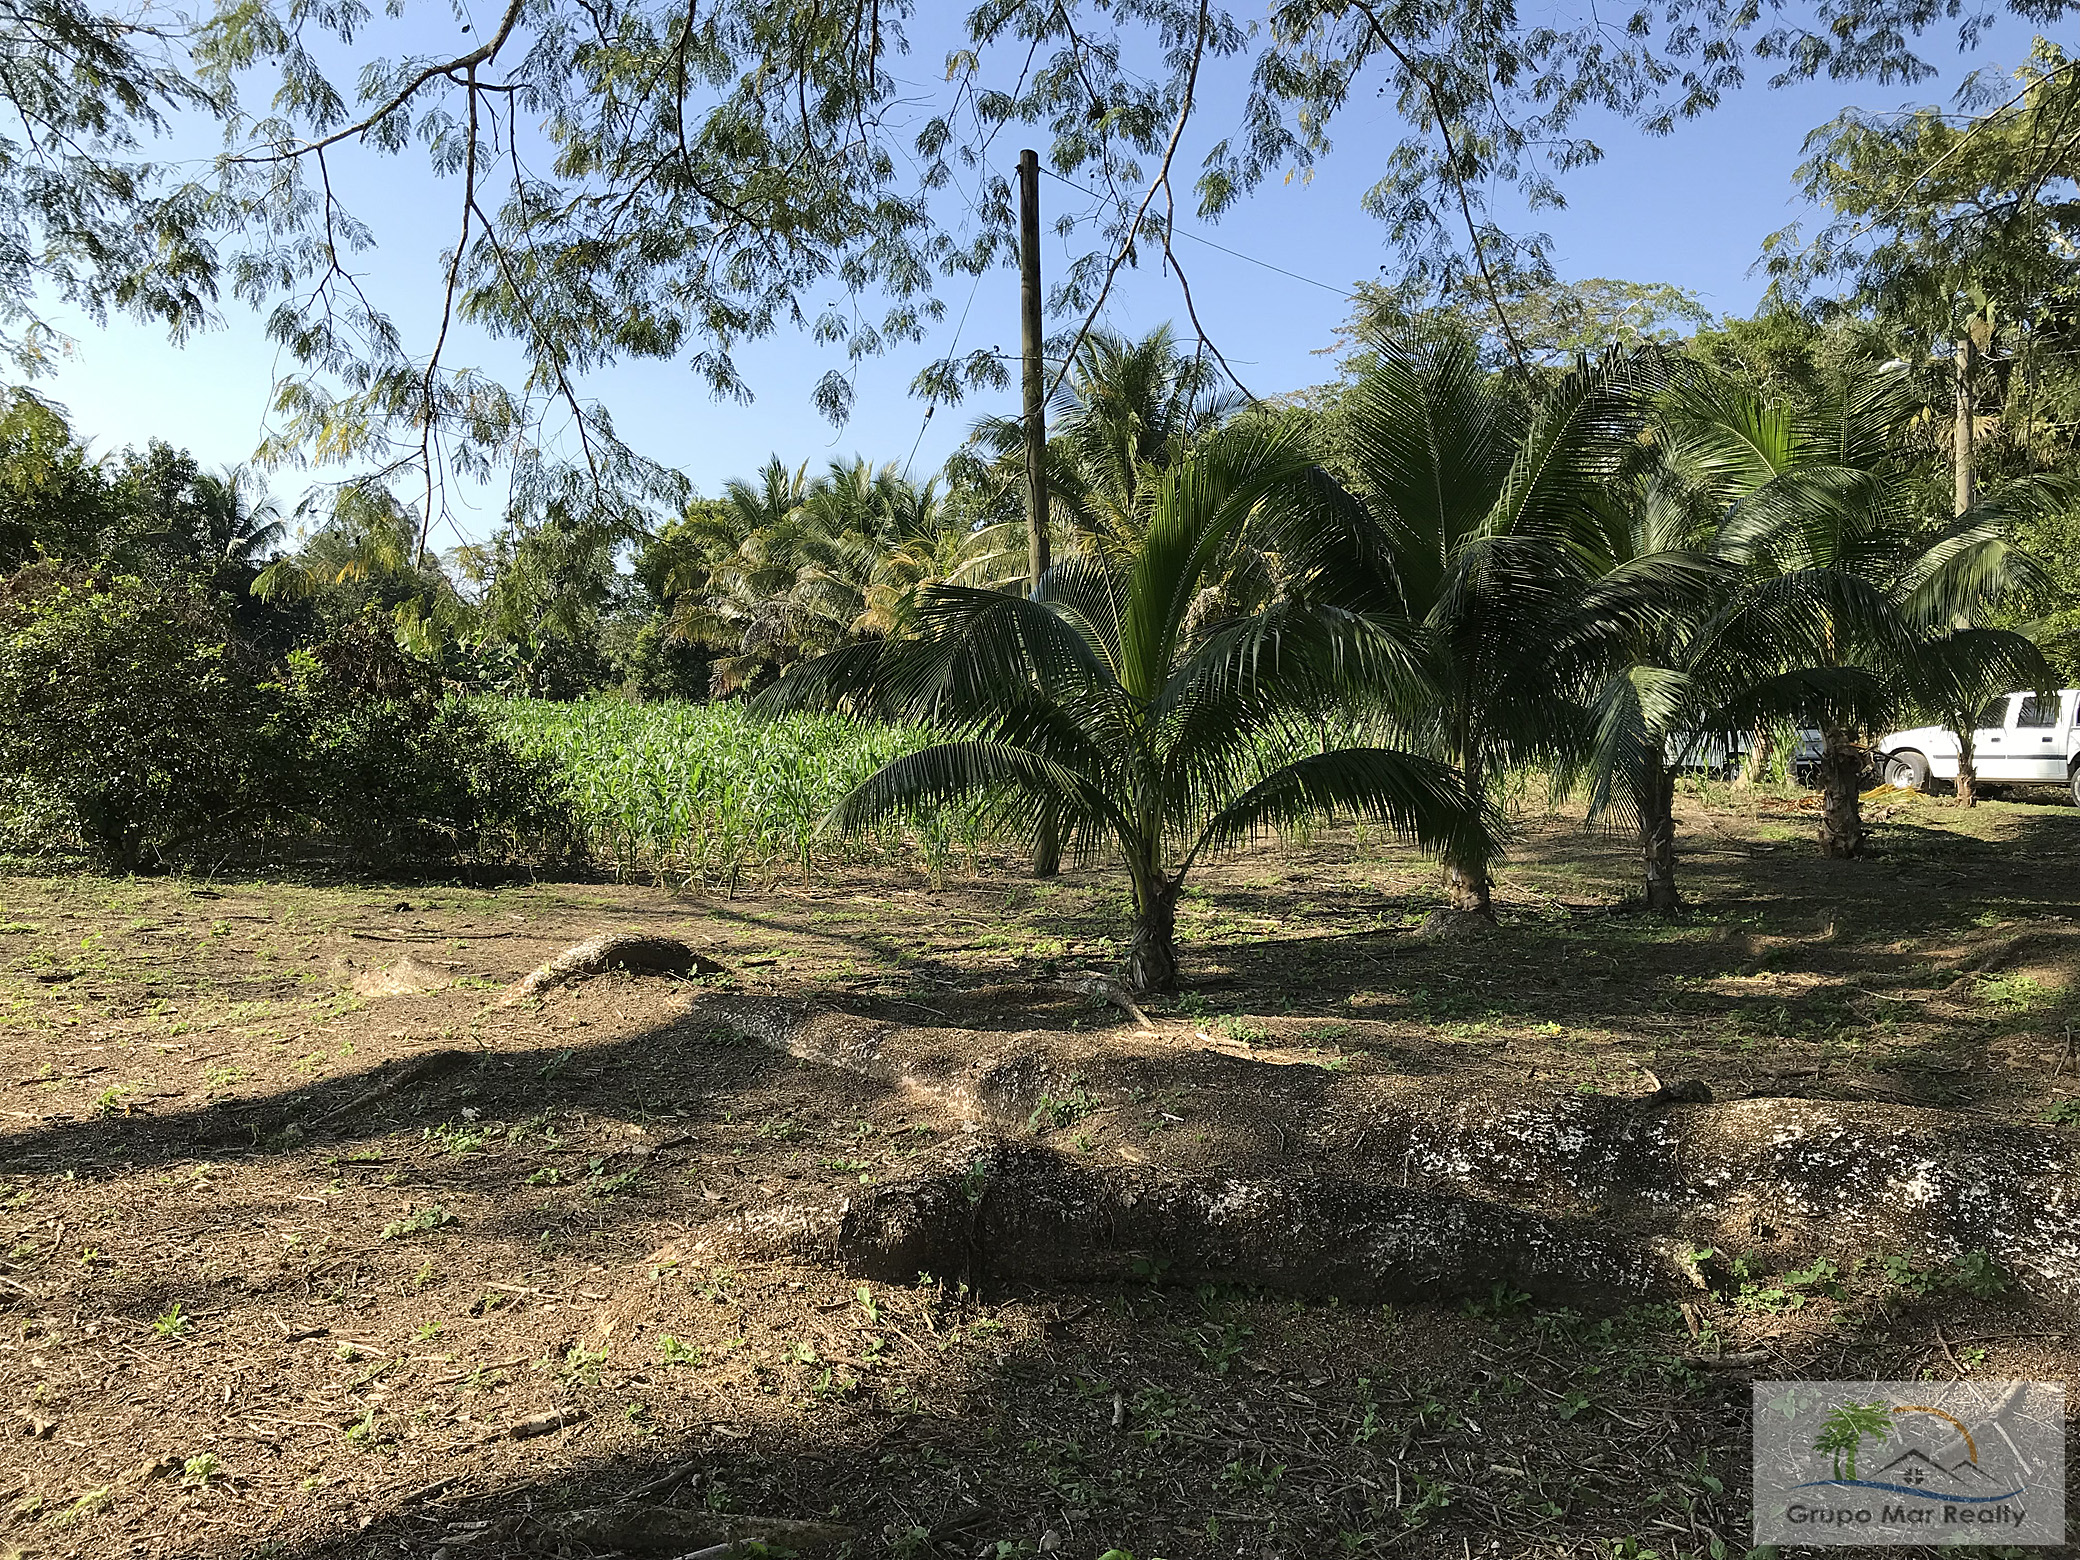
(1392, 598)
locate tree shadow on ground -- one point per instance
(521, 1233)
(292, 1313)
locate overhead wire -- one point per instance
(931, 404)
(1197, 238)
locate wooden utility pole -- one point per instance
(1962, 721)
(1031, 341)
(1047, 838)
(1967, 487)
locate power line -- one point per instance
(932, 404)
(1341, 292)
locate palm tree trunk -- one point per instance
(1967, 767)
(1762, 754)
(1841, 799)
(1467, 884)
(1047, 846)
(1468, 887)
(1152, 957)
(1657, 839)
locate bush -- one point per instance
(396, 770)
(127, 718)
(135, 724)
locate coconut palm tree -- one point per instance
(1092, 704)
(927, 540)
(1706, 666)
(368, 537)
(749, 607)
(1486, 513)
(1126, 412)
(242, 522)
(784, 567)
(1823, 516)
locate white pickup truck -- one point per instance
(2020, 739)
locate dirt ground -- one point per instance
(316, 1248)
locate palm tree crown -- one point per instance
(1097, 704)
(1871, 596)
(1486, 519)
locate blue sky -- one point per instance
(1691, 209)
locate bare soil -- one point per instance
(316, 1249)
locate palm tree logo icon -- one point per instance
(1842, 1433)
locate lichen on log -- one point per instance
(612, 951)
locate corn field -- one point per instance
(705, 793)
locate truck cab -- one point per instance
(2018, 739)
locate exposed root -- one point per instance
(432, 1065)
(612, 951)
(660, 1530)
(1781, 1178)
(1023, 1213)
(1451, 925)
(1105, 989)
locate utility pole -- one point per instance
(1961, 721)
(1031, 340)
(1966, 484)
(1047, 840)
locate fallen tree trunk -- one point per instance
(611, 951)
(1024, 1214)
(1782, 1179)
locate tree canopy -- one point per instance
(635, 180)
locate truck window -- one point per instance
(1995, 715)
(2037, 711)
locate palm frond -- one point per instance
(1576, 439)
(1422, 801)
(1632, 715)
(1202, 502)
(1430, 440)
(1014, 788)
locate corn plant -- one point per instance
(702, 793)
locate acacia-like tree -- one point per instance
(648, 179)
(1095, 704)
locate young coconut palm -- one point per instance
(1822, 515)
(1091, 703)
(1486, 513)
(1707, 667)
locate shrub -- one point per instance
(396, 770)
(136, 724)
(127, 716)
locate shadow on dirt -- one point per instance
(373, 1282)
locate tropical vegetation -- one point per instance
(1399, 599)
(1106, 707)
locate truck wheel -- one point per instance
(1906, 771)
(2073, 784)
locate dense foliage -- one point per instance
(707, 793)
(1576, 528)
(136, 724)
(631, 179)
(1108, 710)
